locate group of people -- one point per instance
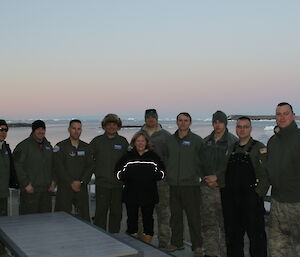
(219, 182)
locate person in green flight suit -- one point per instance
(73, 164)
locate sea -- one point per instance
(56, 129)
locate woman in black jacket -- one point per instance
(139, 169)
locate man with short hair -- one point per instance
(107, 149)
(216, 146)
(158, 138)
(284, 173)
(33, 163)
(244, 186)
(6, 170)
(74, 164)
(183, 175)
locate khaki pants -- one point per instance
(185, 199)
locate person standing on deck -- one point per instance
(243, 187)
(6, 173)
(33, 163)
(183, 175)
(140, 169)
(216, 146)
(284, 173)
(158, 139)
(73, 164)
(107, 149)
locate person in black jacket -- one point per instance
(7, 174)
(139, 169)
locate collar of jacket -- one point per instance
(158, 128)
(105, 134)
(223, 138)
(246, 146)
(285, 131)
(70, 142)
(45, 141)
(177, 134)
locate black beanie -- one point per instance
(3, 123)
(38, 124)
(151, 113)
(220, 116)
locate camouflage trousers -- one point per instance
(284, 231)
(212, 224)
(162, 210)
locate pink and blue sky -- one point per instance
(70, 58)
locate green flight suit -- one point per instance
(73, 164)
(33, 164)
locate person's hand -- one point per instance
(52, 187)
(29, 189)
(76, 185)
(211, 180)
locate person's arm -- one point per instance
(159, 172)
(19, 156)
(261, 172)
(89, 167)
(120, 170)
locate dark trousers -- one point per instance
(132, 218)
(66, 198)
(244, 213)
(108, 200)
(38, 202)
(187, 199)
(3, 212)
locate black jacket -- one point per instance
(139, 174)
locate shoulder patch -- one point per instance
(56, 149)
(263, 150)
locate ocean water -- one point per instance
(57, 129)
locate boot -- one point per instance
(147, 239)
(134, 235)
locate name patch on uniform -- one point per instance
(48, 148)
(81, 153)
(263, 150)
(6, 153)
(186, 143)
(56, 149)
(117, 147)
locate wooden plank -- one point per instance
(59, 234)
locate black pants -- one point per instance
(3, 212)
(244, 213)
(132, 218)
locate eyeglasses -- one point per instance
(3, 129)
(243, 127)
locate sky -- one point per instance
(88, 58)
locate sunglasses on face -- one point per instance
(3, 129)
